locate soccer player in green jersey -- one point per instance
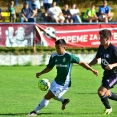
(63, 61)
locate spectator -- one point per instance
(74, 14)
(11, 9)
(47, 4)
(56, 14)
(27, 13)
(105, 13)
(34, 6)
(37, 2)
(1, 18)
(66, 13)
(90, 14)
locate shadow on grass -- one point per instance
(25, 114)
(13, 114)
(21, 114)
(85, 93)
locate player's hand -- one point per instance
(95, 72)
(38, 74)
(109, 67)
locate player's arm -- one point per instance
(97, 57)
(46, 70)
(111, 66)
(75, 59)
(93, 62)
(86, 66)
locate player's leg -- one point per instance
(45, 101)
(42, 104)
(58, 96)
(110, 94)
(63, 101)
(102, 94)
(104, 98)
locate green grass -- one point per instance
(19, 93)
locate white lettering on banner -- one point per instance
(0, 31)
(74, 39)
(93, 37)
(95, 43)
(115, 36)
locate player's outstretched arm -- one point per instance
(93, 62)
(46, 70)
(86, 66)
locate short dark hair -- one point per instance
(104, 1)
(105, 33)
(61, 41)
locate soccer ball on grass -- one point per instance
(44, 84)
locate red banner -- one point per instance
(76, 35)
(16, 35)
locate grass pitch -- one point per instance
(19, 93)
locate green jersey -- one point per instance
(89, 12)
(11, 10)
(64, 66)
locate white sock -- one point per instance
(42, 104)
(59, 99)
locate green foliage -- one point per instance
(29, 63)
(42, 50)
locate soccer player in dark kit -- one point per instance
(108, 54)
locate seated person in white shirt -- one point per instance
(56, 13)
(74, 14)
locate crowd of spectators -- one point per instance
(54, 13)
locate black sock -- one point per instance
(105, 101)
(113, 96)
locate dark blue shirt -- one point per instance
(27, 12)
(108, 56)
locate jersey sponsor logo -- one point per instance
(104, 62)
(60, 65)
(55, 60)
(64, 60)
(107, 80)
(107, 55)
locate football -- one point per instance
(44, 84)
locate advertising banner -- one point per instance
(16, 35)
(75, 35)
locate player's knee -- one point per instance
(100, 93)
(108, 93)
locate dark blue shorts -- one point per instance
(109, 82)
